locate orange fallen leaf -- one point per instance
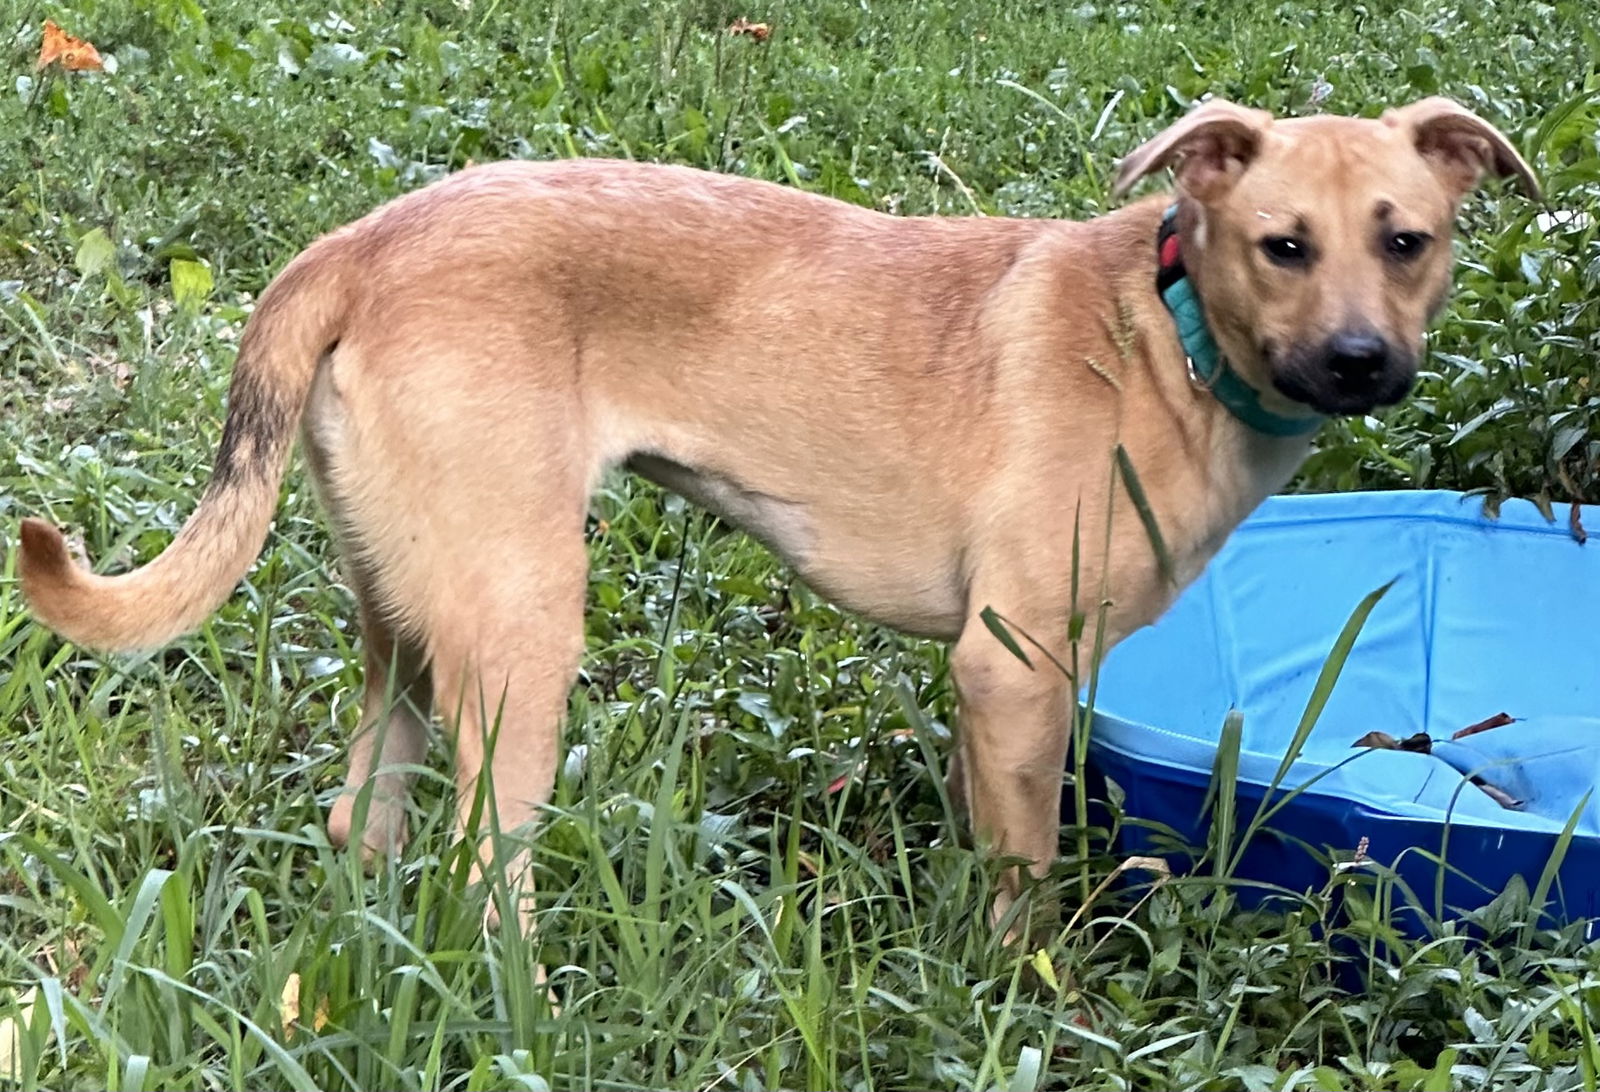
(72, 54)
(759, 31)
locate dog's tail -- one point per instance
(298, 320)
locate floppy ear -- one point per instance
(1460, 145)
(1208, 149)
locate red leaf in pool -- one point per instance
(1499, 720)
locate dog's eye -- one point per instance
(1406, 245)
(1285, 250)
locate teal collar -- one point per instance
(1207, 366)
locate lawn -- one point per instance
(750, 877)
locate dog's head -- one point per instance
(1320, 247)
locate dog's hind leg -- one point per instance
(505, 645)
(462, 477)
(392, 735)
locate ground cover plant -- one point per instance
(751, 877)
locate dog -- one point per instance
(920, 415)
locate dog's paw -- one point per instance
(491, 923)
(382, 836)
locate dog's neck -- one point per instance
(1208, 367)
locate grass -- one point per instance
(750, 877)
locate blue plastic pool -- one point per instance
(1484, 616)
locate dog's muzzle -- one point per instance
(1351, 373)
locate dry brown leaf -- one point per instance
(1158, 865)
(72, 54)
(289, 1004)
(1420, 743)
(1575, 523)
(760, 32)
(1499, 720)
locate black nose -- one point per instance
(1356, 359)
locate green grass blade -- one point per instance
(1332, 667)
(1221, 799)
(1003, 634)
(1147, 516)
(1552, 868)
(138, 915)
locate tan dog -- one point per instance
(910, 411)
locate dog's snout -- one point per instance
(1353, 371)
(1357, 357)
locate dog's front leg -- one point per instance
(1013, 723)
